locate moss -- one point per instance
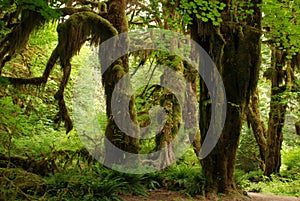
(117, 68)
(19, 36)
(119, 72)
(172, 107)
(118, 15)
(78, 28)
(17, 184)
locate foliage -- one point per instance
(287, 183)
(28, 127)
(248, 154)
(78, 184)
(203, 10)
(42, 6)
(189, 179)
(245, 180)
(276, 185)
(13, 124)
(291, 163)
(282, 17)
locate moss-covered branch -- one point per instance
(72, 34)
(19, 35)
(71, 11)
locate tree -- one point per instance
(34, 15)
(117, 16)
(281, 31)
(238, 60)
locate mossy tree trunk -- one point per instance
(277, 113)
(117, 17)
(270, 140)
(190, 113)
(173, 109)
(234, 46)
(169, 101)
(258, 127)
(297, 127)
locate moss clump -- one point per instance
(17, 184)
(19, 36)
(72, 34)
(78, 28)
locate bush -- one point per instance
(78, 184)
(248, 152)
(17, 184)
(291, 163)
(189, 179)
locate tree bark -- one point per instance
(190, 113)
(270, 140)
(173, 109)
(297, 127)
(276, 115)
(258, 127)
(117, 16)
(235, 49)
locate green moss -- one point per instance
(117, 68)
(78, 28)
(19, 36)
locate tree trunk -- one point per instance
(276, 115)
(190, 113)
(173, 109)
(235, 49)
(117, 16)
(270, 140)
(297, 127)
(168, 100)
(258, 127)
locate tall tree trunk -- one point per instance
(168, 100)
(270, 140)
(191, 113)
(117, 16)
(235, 49)
(281, 75)
(173, 109)
(258, 127)
(276, 115)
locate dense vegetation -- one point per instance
(254, 44)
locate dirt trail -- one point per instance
(270, 197)
(165, 195)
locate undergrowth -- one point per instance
(287, 183)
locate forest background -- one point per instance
(254, 44)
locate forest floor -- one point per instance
(165, 195)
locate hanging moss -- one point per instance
(118, 72)
(170, 103)
(78, 28)
(72, 34)
(19, 36)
